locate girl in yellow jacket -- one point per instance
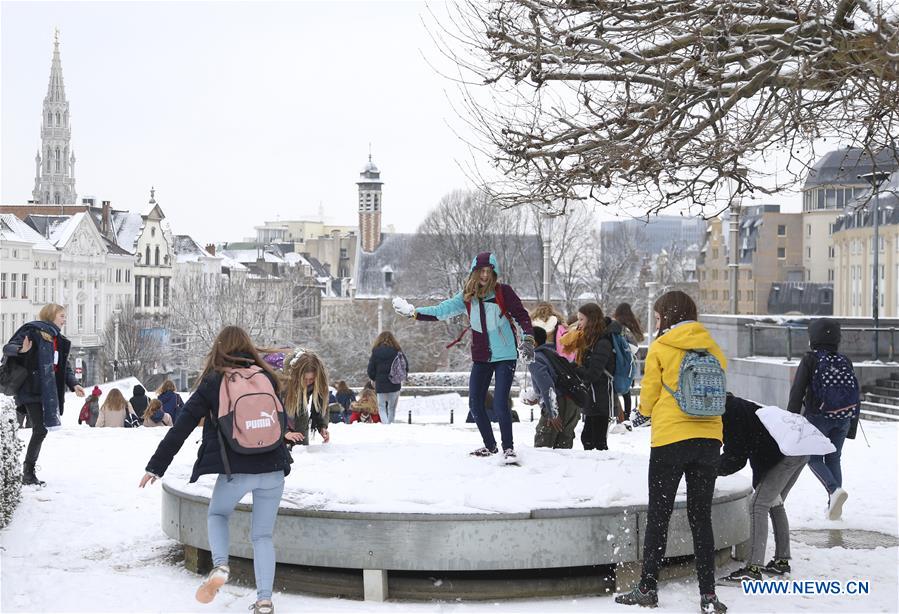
(682, 445)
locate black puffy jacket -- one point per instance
(379, 368)
(204, 403)
(746, 438)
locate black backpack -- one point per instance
(568, 382)
(12, 375)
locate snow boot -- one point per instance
(777, 567)
(262, 607)
(709, 604)
(214, 580)
(736, 578)
(482, 452)
(510, 457)
(648, 599)
(28, 476)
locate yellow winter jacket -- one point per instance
(669, 423)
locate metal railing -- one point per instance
(791, 331)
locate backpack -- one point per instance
(132, 420)
(12, 375)
(701, 385)
(625, 365)
(834, 385)
(398, 369)
(568, 382)
(85, 414)
(250, 416)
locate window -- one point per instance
(13, 285)
(165, 291)
(726, 274)
(80, 317)
(751, 295)
(137, 289)
(81, 284)
(830, 251)
(127, 275)
(24, 285)
(147, 282)
(808, 252)
(156, 292)
(714, 274)
(750, 273)
(96, 317)
(156, 262)
(3, 326)
(830, 276)
(153, 232)
(118, 276)
(782, 253)
(715, 253)
(52, 290)
(3, 287)
(820, 198)
(147, 257)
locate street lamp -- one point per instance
(115, 351)
(547, 256)
(735, 207)
(875, 178)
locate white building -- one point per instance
(29, 274)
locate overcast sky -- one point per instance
(237, 112)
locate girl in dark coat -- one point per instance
(43, 350)
(171, 400)
(384, 352)
(262, 474)
(596, 366)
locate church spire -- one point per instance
(54, 181)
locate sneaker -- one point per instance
(215, 579)
(638, 420)
(735, 578)
(509, 456)
(709, 604)
(649, 599)
(777, 567)
(483, 452)
(262, 607)
(835, 505)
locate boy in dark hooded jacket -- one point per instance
(773, 475)
(558, 414)
(824, 339)
(139, 401)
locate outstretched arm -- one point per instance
(442, 311)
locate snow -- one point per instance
(61, 233)
(130, 225)
(95, 538)
(14, 229)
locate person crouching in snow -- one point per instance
(773, 475)
(365, 410)
(494, 312)
(559, 415)
(306, 396)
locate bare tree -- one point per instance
(663, 100)
(618, 271)
(142, 349)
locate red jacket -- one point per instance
(356, 416)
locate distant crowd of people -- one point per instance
(256, 404)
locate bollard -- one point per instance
(532, 413)
(451, 416)
(789, 343)
(410, 416)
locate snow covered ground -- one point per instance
(90, 541)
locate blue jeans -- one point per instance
(478, 386)
(827, 468)
(267, 489)
(387, 405)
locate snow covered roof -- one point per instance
(251, 256)
(230, 263)
(61, 232)
(188, 250)
(14, 229)
(127, 226)
(843, 166)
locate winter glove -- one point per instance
(526, 349)
(403, 307)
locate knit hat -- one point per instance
(824, 334)
(96, 391)
(485, 259)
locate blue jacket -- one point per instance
(171, 404)
(204, 403)
(543, 377)
(43, 385)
